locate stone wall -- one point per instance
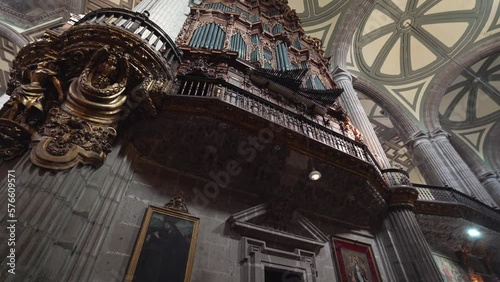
(82, 224)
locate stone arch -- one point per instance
(445, 77)
(406, 124)
(13, 36)
(349, 23)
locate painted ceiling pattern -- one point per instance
(319, 18)
(471, 106)
(402, 45)
(403, 39)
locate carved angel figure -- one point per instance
(32, 98)
(106, 74)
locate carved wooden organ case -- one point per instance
(258, 46)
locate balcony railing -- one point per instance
(138, 24)
(219, 89)
(450, 196)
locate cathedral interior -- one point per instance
(250, 140)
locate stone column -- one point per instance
(46, 209)
(350, 102)
(488, 179)
(410, 244)
(467, 180)
(63, 218)
(430, 162)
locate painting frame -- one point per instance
(143, 233)
(344, 248)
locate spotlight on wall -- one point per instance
(314, 175)
(473, 232)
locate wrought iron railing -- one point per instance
(138, 24)
(219, 89)
(448, 195)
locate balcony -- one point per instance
(446, 201)
(140, 26)
(194, 94)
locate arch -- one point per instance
(449, 73)
(347, 26)
(13, 36)
(407, 125)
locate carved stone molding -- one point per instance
(254, 222)
(257, 255)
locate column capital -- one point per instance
(403, 197)
(417, 139)
(486, 176)
(439, 134)
(339, 74)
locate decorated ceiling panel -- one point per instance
(319, 17)
(471, 105)
(406, 39)
(401, 46)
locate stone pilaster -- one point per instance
(466, 178)
(47, 218)
(410, 244)
(488, 179)
(414, 252)
(63, 218)
(110, 183)
(350, 102)
(429, 162)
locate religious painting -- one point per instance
(355, 261)
(451, 270)
(164, 250)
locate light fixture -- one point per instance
(314, 175)
(473, 232)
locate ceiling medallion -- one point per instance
(398, 41)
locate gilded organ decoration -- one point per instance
(28, 105)
(82, 129)
(71, 90)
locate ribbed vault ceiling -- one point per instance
(403, 46)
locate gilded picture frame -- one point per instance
(165, 247)
(355, 261)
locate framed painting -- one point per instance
(355, 261)
(451, 270)
(165, 247)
